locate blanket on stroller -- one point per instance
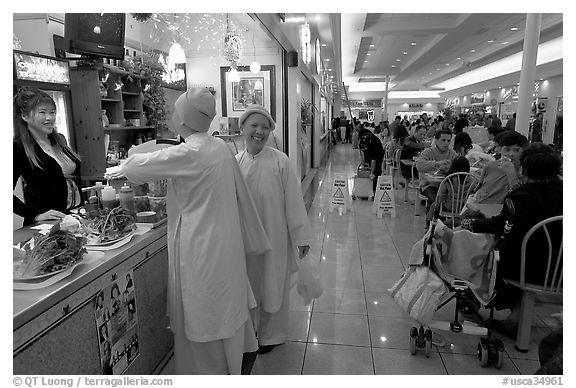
(463, 255)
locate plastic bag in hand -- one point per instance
(308, 283)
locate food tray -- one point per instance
(152, 225)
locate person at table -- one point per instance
(536, 197)
(412, 147)
(437, 158)
(446, 196)
(373, 152)
(276, 191)
(500, 175)
(213, 226)
(460, 124)
(399, 133)
(473, 152)
(50, 170)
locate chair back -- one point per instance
(554, 268)
(397, 158)
(386, 162)
(460, 185)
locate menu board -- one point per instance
(31, 67)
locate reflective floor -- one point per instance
(355, 327)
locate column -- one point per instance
(528, 72)
(385, 110)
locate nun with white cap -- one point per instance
(278, 197)
(212, 227)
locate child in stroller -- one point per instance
(448, 265)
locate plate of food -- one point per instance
(109, 228)
(44, 256)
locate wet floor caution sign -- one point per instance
(384, 198)
(339, 195)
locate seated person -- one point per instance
(536, 197)
(446, 195)
(500, 175)
(436, 158)
(412, 146)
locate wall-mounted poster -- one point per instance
(249, 91)
(252, 89)
(117, 325)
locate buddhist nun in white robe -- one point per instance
(278, 197)
(212, 227)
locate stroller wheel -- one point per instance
(354, 198)
(428, 347)
(412, 345)
(483, 354)
(469, 306)
(499, 358)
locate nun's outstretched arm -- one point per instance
(172, 162)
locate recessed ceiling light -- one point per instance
(430, 73)
(405, 53)
(437, 69)
(368, 54)
(472, 51)
(393, 66)
(327, 59)
(323, 44)
(365, 61)
(329, 69)
(398, 60)
(447, 64)
(458, 58)
(505, 42)
(513, 28)
(371, 45)
(490, 41)
(413, 43)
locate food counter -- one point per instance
(54, 328)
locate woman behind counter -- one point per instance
(48, 167)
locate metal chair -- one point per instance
(414, 184)
(459, 191)
(553, 279)
(395, 169)
(387, 162)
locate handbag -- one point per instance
(308, 284)
(419, 292)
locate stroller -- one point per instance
(423, 289)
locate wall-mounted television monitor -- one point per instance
(96, 34)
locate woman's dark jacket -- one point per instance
(44, 189)
(533, 202)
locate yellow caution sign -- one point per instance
(384, 198)
(340, 196)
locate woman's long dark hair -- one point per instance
(26, 101)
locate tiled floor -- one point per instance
(355, 327)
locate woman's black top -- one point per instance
(44, 189)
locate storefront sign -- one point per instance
(415, 105)
(511, 93)
(452, 101)
(477, 98)
(117, 324)
(365, 103)
(41, 69)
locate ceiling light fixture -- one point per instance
(393, 66)
(458, 58)
(413, 43)
(327, 59)
(472, 51)
(490, 41)
(513, 28)
(405, 53)
(323, 45)
(372, 45)
(505, 42)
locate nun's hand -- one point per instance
(303, 251)
(113, 173)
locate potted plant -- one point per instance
(307, 109)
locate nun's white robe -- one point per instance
(212, 227)
(278, 197)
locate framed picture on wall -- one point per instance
(252, 89)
